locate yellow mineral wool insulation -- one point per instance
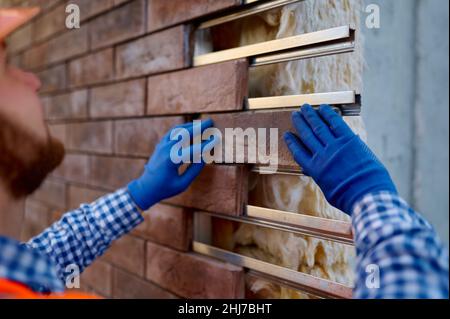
(296, 194)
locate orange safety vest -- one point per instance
(13, 290)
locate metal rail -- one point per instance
(302, 281)
(347, 103)
(326, 229)
(329, 41)
(334, 230)
(286, 101)
(250, 7)
(301, 54)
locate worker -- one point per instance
(388, 234)
(393, 242)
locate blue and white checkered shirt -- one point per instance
(399, 254)
(77, 239)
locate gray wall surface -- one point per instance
(406, 101)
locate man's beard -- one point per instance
(25, 160)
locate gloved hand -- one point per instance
(161, 178)
(338, 160)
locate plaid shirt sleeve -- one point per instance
(82, 235)
(398, 253)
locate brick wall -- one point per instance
(110, 90)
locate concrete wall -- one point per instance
(406, 101)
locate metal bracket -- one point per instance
(319, 43)
(250, 7)
(301, 281)
(347, 103)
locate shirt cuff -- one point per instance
(116, 214)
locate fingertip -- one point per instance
(323, 107)
(288, 136)
(207, 123)
(306, 107)
(295, 115)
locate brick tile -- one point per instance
(280, 120)
(58, 131)
(163, 13)
(193, 276)
(69, 44)
(160, 52)
(99, 277)
(20, 39)
(167, 225)
(53, 79)
(50, 23)
(217, 87)
(37, 218)
(127, 286)
(123, 23)
(16, 60)
(63, 47)
(35, 57)
(139, 137)
(74, 168)
(81, 195)
(128, 253)
(67, 106)
(92, 69)
(91, 8)
(52, 193)
(43, 4)
(218, 189)
(118, 100)
(93, 137)
(112, 172)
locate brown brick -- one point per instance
(139, 137)
(167, 225)
(218, 189)
(74, 168)
(99, 277)
(218, 87)
(92, 69)
(37, 218)
(45, 4)
(69, 44)
(15, 60)
(93, 137)
(123, 23)
(193, 276)
(68, 106)
(82, 195)
(58, 131)
(35, 57)
(112, 172)
(12, 218)
(127, 286)
(164, 51)
(118, 100)
(90, 8)
(53, 79)
(51, 193)
(128, 253)
(280, 120)
(163, 13)
(50, 23)
(20, 39)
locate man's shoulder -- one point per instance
(23, 264)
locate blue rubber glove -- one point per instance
(338, 160)
(161, 178)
